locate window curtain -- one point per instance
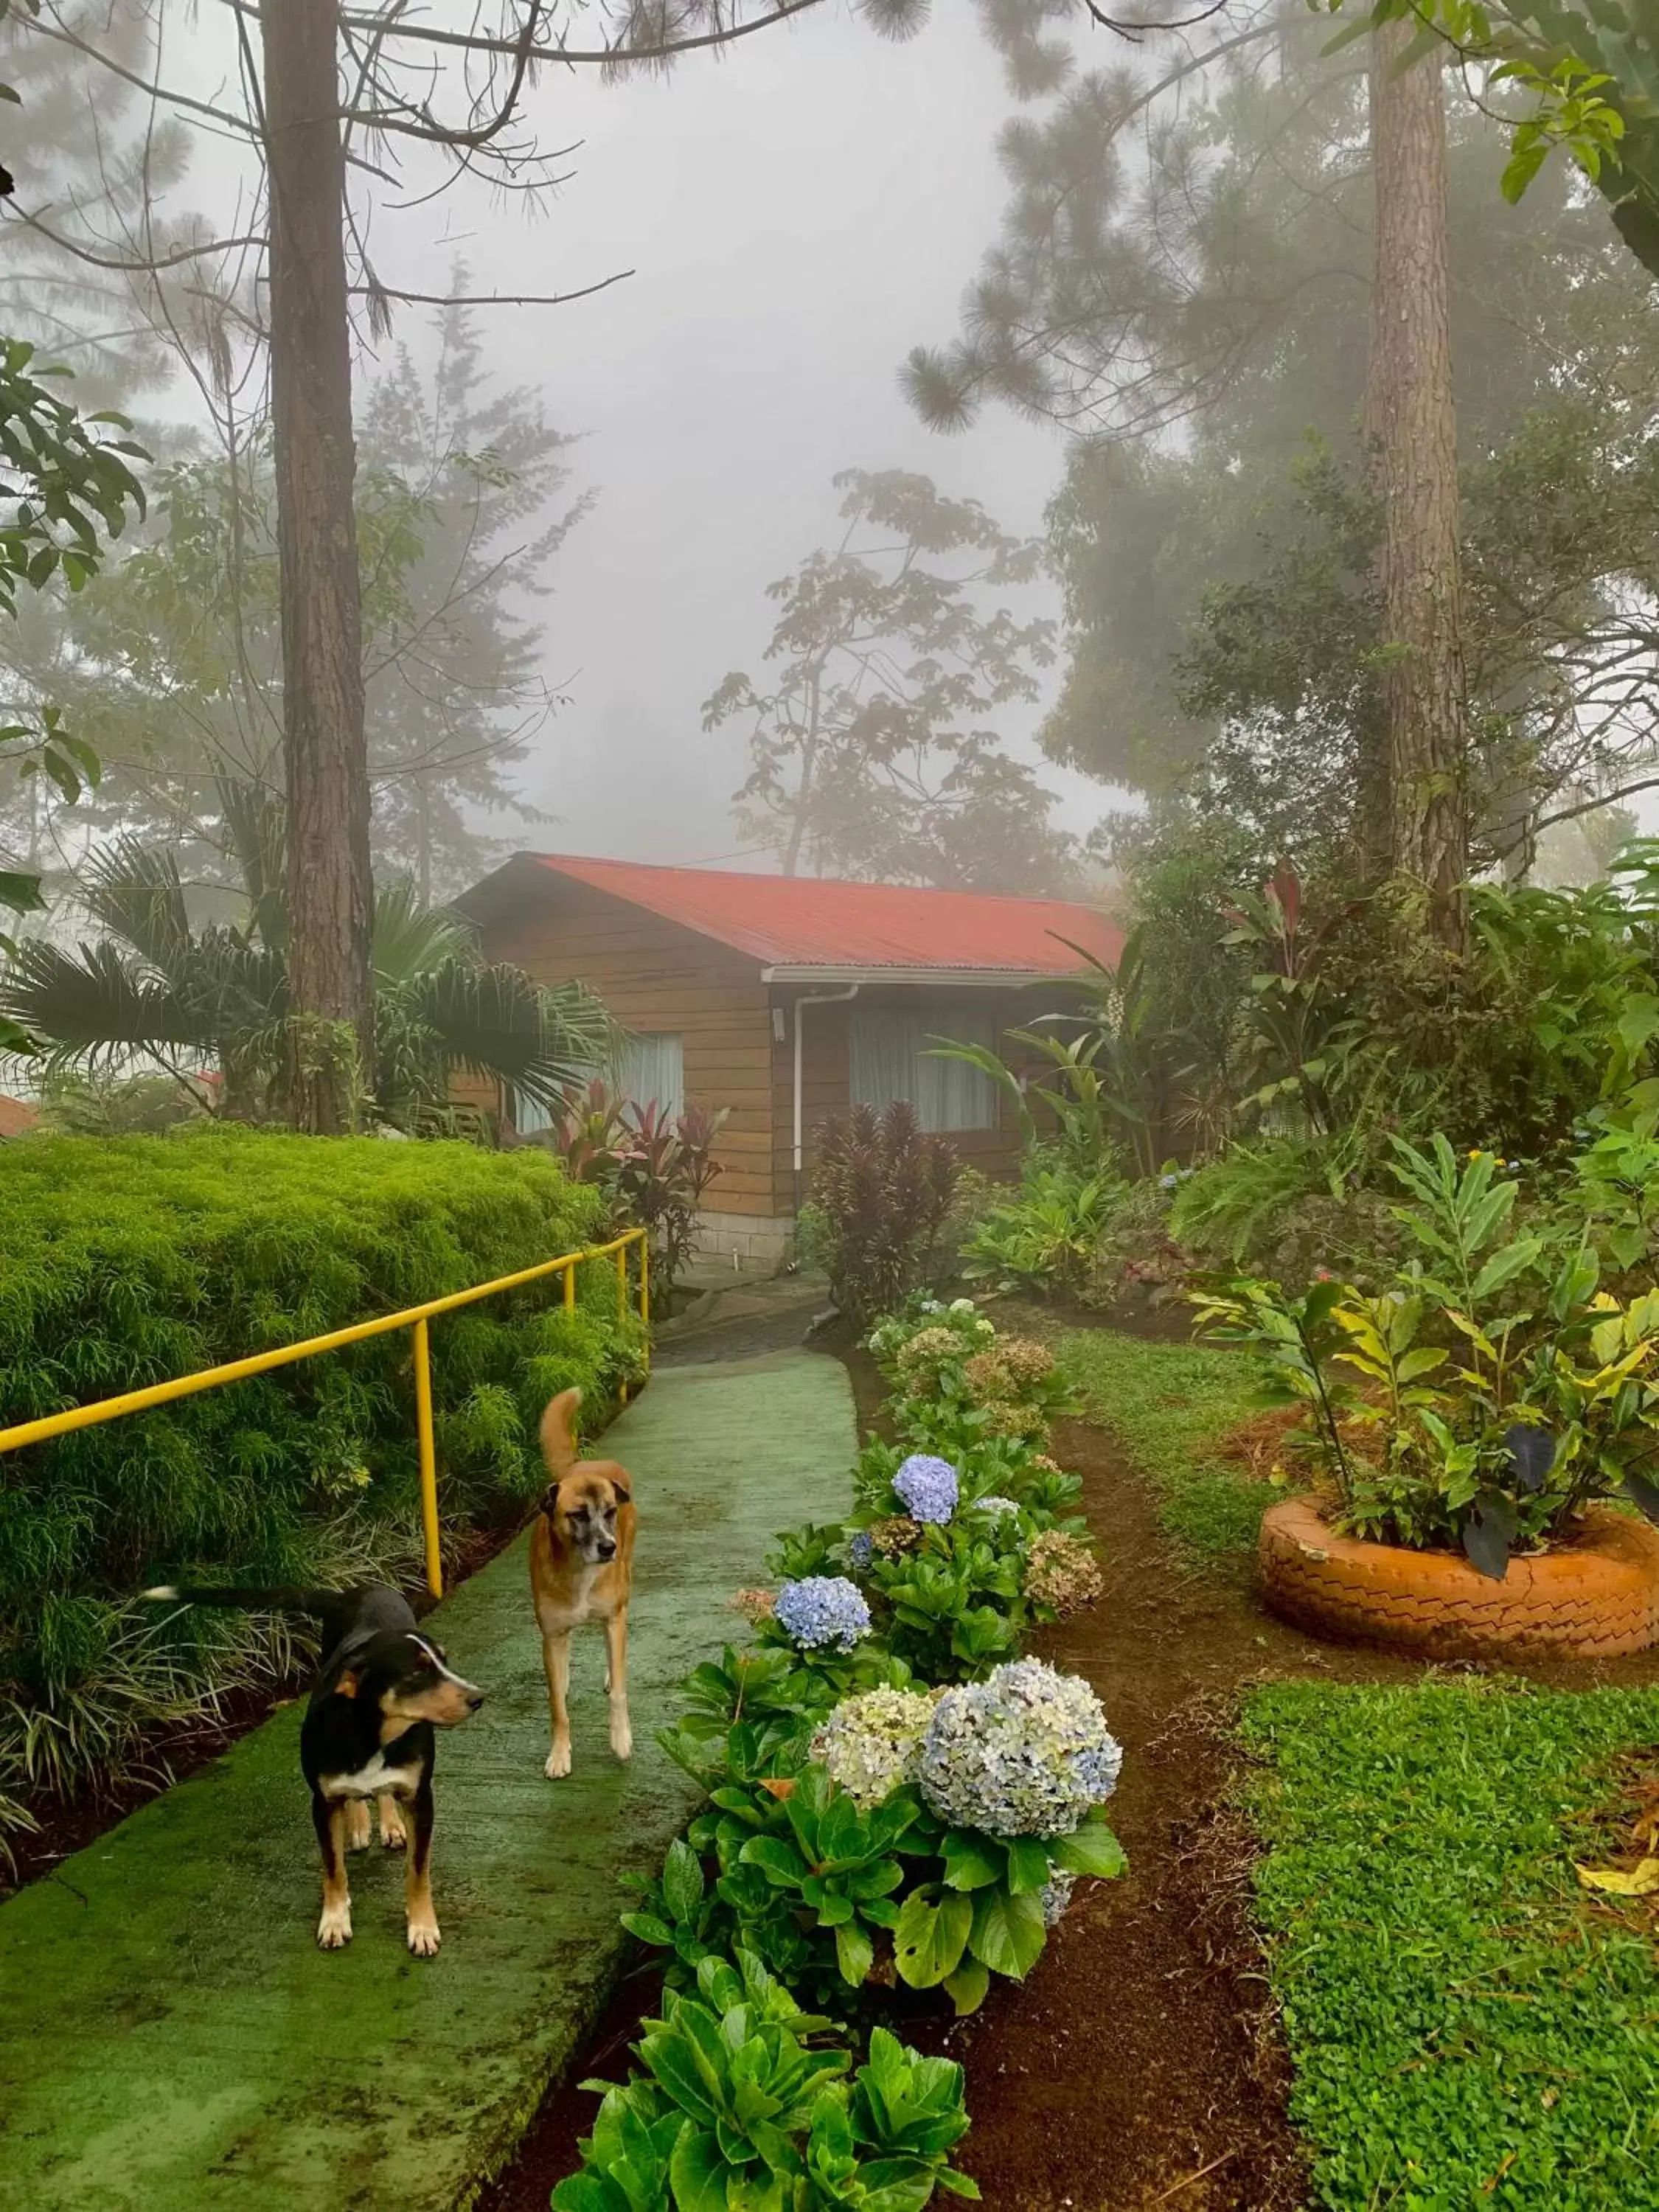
(647, 1068)
(888, 1050)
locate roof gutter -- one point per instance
(977, 979)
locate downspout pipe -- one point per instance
(810, 998)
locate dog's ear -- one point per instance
(550, 1500)
(623, 1484)
(348, 1684)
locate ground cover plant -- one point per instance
(1469, 2024)
(130, 1261)
(1177, 1406)
(894, 1796)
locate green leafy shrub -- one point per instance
(1046, 1232)
(1284, 1206)
(131, 1260)
(738, 2106)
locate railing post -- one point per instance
(645, 1297)
(570, 1288)
(434, 1567)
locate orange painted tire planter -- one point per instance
(1595, 1596)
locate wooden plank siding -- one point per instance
(656, 976)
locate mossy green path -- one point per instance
(170, 2037)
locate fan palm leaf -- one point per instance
(133, 892)
(412, 938)
(154, 989)
(257, 827)
(97, 1008)
(489, 1020)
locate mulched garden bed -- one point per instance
(1140, 2065)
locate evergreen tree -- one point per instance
(1221, 289)
(172, 662)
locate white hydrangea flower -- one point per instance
(872, 1743)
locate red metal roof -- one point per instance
(804, 922)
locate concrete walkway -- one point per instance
(170, 2039)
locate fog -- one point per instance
(797, 212)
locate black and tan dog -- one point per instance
(380, 1691)
(581, 1568)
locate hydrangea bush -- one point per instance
(861, 1825)
(1061, 1573)
(1025, 1752)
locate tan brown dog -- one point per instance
(581, 1568)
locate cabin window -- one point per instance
(647, 1068)
(889, 1056)
(653, 1067)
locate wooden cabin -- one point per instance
(785, 999)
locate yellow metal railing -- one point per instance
(416, 1319)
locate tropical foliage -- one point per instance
(656, 1169)
(210, 998)
(881, 1195)
(1484, 1397)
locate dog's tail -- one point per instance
(559, 1433)
(317, 1602)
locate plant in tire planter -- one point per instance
(1484, 1401)
(1465, 1422)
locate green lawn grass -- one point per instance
(1172, 1404)
(1468, 2028)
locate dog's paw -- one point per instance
(334, 1929)
(621, 1739)
(558, 1763)
(357, 1828)
(394, 1837)
(423, 1938)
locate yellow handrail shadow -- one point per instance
(413, 1318)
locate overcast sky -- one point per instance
(799, 212)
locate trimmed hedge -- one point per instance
(127, 1260)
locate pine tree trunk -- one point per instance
(1411, 421)
(330, 885)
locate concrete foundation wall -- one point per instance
(762, 1242)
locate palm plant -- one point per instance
(157, 989)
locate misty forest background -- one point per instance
(1172, 328)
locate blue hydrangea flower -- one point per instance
(927, 1487)
(860, 1549)
(823, 1612)
(1025, 1752)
